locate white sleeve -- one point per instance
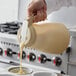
(53, 5)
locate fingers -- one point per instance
(41, 15)
(34, 7)
(38, 10)
(45, 5)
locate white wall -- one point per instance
(23, 4)
(8, 10)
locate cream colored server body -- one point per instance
(48, 37)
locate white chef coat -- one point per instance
(52, 5)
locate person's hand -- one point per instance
(37, 8)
